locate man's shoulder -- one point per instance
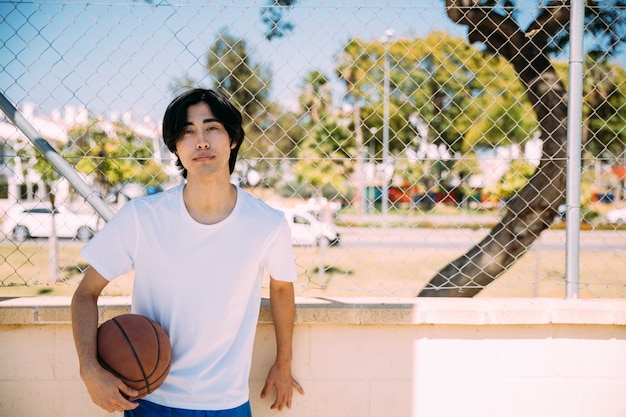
(154, 203)
(163, 197)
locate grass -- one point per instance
(340, 271)
(402, 272)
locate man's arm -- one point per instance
(104, 388)
(279, 376)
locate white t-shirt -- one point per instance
(202, 283)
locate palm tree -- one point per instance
(315, 98)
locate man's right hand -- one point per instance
(108, 391)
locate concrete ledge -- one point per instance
(470, 311)
(400, 357)
(364, 311)
(54, 310)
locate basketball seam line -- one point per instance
(132, 348)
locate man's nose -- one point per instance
(203, 142)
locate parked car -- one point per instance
(315, 206)
(306, 230)
(617, 216)
(27, 220)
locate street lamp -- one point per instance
(389, 33)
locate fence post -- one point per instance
(389, 33)
(57, 161)
(574, 145)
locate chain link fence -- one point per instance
(408, 160)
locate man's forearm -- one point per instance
(283, 310)
(85, 317)
(85, 327)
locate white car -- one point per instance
(26, 220)
(315, 206)
(617, 216)
(306, 230)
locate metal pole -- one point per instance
(574, 145)
(385, 191)
(57, 161)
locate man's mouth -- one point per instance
(203, 157)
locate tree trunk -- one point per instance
(535, 206)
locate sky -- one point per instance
(119, 56)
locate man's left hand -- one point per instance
(281, 379)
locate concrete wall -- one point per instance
(372, 357)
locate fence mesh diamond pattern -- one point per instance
(414, 149)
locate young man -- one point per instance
(198, 252)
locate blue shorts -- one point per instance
(148, 409)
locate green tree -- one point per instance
(349, 71)
(604, 90)
(326, 151)
(444, 81)
(248, 85)
(112, 155)
(325, 159)
(315, 97)
(272, 17)
(513, 180)
(463, 168)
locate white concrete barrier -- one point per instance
(372, 357)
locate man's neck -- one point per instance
(209, 202)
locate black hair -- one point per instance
(175, 120)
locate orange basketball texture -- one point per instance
(137, 350)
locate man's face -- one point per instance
(204, 147)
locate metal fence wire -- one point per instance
(416, 149)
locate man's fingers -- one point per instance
(297, 386)
(284, 395)
(127, 391)
(279, 403)
(265, 389)
(283, 400)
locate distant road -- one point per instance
(466, 238)
(444, 238)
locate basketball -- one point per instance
(137, 350)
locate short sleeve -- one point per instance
(278, 260)
(111, 250)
